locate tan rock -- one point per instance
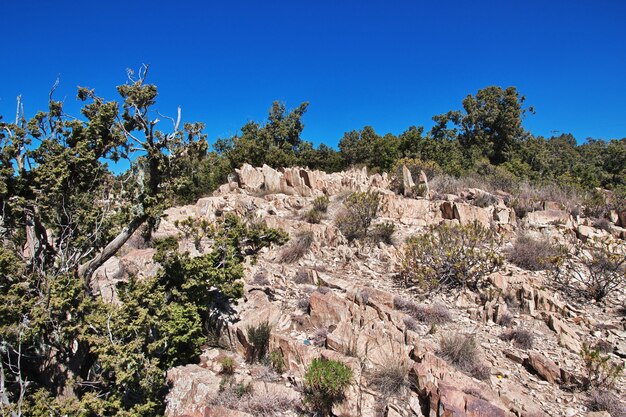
(407, 180)
(467, 213)
(544, 367)
(545, 218)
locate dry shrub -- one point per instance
(302, 277)
(603, 346)
(429, 314)
(319, 337)
(506, 319)
(461, 350)
(604, 400)
(450, 256)
(304, 303)
(410, 323)
(240, 397)
(534, 255)
(521, 337)
(603, 224)
(596, 270)
(389, 378)
(260, 278)
(297, 248)
(529, 198)
(484, 200)
(382, 232)
(322, 289)
(313, 216)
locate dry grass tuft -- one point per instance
(461, 350)
(429, 314)
(297, 248)
(390, 378)
(521, 337)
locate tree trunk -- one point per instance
(87, 269)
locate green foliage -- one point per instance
(450, 256)
(313, 216)
(228, 365)
(321, 204)
(382, 232)
(276, 361)
(325, 382)
(600, 372)
(360, 210)
(258, 339)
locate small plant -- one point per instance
(259, 338)
(325, 382)
(319, 338)
(410, 323)
(361, 208)
(605, 400)
(461, 350)
(389, 378)
(276, 361)
(260, 278)
(228, 365)
(382, 232)
(506, 319)
(297, 248)
(484, 200)
(321, 204)
(600, 372)
(603, 224)
(521, 337)
(304, 303)
(302, 276)
(450, 256)
(534, 255)
(313, 216)
(429, 314)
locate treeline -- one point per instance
(485, 138)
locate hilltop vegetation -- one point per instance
(64, 214)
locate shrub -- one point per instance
(297, 248)
(429, 314)
(319, 338)
(321, 204)
(259, 338)
(313, 216)
(600, 269)
(484, 200)
(382, 232)
(241, 397)
(276, 361)
(603, 224)
(605, 400)
(361, 208)
(410, 323)
(521, 337)
(603, 346)
(304, 303)
(325, 382)
(450, 256)
(600, 372)
(532, 254)
(260, 278)
(390, 378)
(228, 365)
(462, 352)
(302, 276)
(506, 319)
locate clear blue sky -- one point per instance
(387, 64)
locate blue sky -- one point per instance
(387, 64)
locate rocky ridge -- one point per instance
(339, 301)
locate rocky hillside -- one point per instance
(322, 296)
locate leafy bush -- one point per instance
(390, 378)
(533, 254)
(321, 204)
(600, 372)
(259, 339)
(297, 248)
(450, 256)
(325, 382)
(360, 210)
(521, 337)
(462, 352)
(382, 232)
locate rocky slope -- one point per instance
(343, 301)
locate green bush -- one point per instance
(450, 256)
(600, 371)
(382, 232)
(360, 210)
(228, 365)
(321, 204)
(259, 339)
(325, 382)
(276, 361)
(313, 216)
